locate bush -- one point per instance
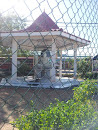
(84, 66)
(91, 75)
(76, 114)
(23, 69)
(85, 91)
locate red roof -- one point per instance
(42, 23)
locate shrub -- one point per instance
(85, 91)
(84, 66)
(23, 69)
(77, 113)
(91, 75)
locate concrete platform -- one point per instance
(41, 83)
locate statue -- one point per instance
(44, 64)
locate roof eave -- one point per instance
(47, 33)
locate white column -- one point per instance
(53, 60)
(75, 61)
(14, 60)
(60, 68)
(36, 59)
(35, 64)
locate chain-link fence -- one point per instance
(48, 55)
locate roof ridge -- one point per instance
(42, 23)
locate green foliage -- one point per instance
(85, 91)
(91, 75)
(23, 69)
(5, 51)
(23, 53)
(76, 114)
(69, 63)
(11, 22)
(84, 66)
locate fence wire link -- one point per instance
(47, 48)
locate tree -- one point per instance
(12, 22)
(9, 23)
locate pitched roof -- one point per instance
(45, 24)
(42, 23)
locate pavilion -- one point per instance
(42, 34)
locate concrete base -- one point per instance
(41, 83)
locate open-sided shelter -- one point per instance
(42, 35)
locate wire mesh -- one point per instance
(47, 48)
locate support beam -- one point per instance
(60, 68)
(14, 60)
(75, 61)
(53, 60)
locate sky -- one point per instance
(78, 17)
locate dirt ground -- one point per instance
(16, 101)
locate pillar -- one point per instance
(36, 59)
(53, 61)
(14, 60)
(75, 61)
(36, 71)
(60, 68)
